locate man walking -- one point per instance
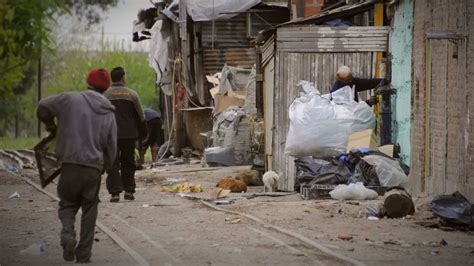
(130, 126)
(86, 145)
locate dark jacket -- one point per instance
(86, 130)
(359, 83)
(128, 112)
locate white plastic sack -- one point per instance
(320, 126)
(317, 127)
(364, 117)
(355, 191)
(389, 172)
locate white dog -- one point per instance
(270, 181)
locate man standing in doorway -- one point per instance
(86, 145)
(344, 78)
(130, 127)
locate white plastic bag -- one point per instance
(320, 126)
(364, 117)
(353, 191)
(389, 172)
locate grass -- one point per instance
(19, 143)
(29, 143)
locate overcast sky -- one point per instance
(116, 26)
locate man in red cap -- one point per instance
(86, 145)
(130, 127)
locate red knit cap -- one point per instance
(99, 78)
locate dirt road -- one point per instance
(165, 229)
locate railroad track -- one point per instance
(144, 249)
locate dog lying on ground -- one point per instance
(232, 184)
(270, 181)
(250, 178)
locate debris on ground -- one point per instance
(224, 202)
(35, 249)
(14, 195)
(233, 221)
(232, 184)
(345, 237)
(218, 193)
(397, 203)
(454, 210)
(183, 187)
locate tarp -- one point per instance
(158, 56)
(206, 10)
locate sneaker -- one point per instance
(128, 196)
(69, 251)
(115, 198)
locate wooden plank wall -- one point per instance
(302, 54)
(442, 100)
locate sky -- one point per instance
(116, 26)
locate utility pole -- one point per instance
(39, 90)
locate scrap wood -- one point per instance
(267, 194)
(300, 237)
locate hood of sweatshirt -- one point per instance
(98, 103)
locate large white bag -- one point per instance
(320, 126)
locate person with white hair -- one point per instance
(344, 78)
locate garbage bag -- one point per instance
(355, 191)
(388, 171)
(334, 173)
(454, 209)
(364, 117)
(365, 173)
(320, 125)
(307, 169)
(320, 172)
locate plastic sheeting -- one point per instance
(158, 56)
(320, 125)
(388, 170)
(206, 10)
(355, 191)
(455, 209)
(231, 129)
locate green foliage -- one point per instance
(24, 30)
(16, 144)
(72, 68)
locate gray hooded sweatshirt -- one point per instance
(86, 129)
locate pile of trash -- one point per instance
(339, 157)
(234, 107)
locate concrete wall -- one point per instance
(442, 134)
(401, 49)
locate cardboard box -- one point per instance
(364, 138)
(222, 102)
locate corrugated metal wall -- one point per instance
(229, 45)
(317, 65)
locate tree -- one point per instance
(25, 31)
(25, 28)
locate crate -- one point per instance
(316, 191)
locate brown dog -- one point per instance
(232, 184)
(250, 178)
